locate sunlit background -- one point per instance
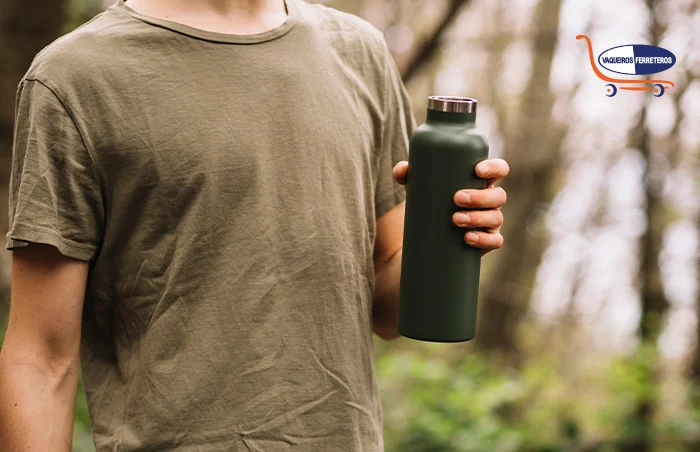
(588, 316)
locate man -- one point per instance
(202, 204)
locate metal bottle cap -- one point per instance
(451, 104)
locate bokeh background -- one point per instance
(588, 326)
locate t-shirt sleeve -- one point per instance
(398, 125)
(55, 195)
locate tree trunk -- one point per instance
(695, 362)
(654, 304)
(26, 26)
(533, 151)
(429, 47)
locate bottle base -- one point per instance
(418, 337)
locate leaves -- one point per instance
(470, 406)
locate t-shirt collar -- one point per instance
(292, 16)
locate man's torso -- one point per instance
(229, 306)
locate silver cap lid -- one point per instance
(451, 104)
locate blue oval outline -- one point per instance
(611, 48)
(632, 45)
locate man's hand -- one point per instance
(387, 248)
(489, 201)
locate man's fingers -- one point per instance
(490, 198)
(493, 170)
(478, 219)
(484, 240)
(400, 172)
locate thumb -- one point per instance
(400, 172)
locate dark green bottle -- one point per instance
(439, 271)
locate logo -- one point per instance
(633, 59)
(638, 59)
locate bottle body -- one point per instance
(440, 271)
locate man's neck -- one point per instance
(242, 17)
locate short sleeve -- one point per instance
(399, 123)
(55, 196)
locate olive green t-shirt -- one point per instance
(225, 190)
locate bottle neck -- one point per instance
(454, 118)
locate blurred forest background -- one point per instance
(588, 329)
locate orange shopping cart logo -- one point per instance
(632, 59)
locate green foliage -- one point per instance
(82, 429)
(433, 405)
(80, 11)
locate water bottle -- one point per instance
(439, 270)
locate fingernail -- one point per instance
(462, 218)
(463, 197)
(483, 168)
(472, 237)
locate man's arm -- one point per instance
(387, 270)
(39, 360)
(389, 239)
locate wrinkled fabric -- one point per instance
(225, 191)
